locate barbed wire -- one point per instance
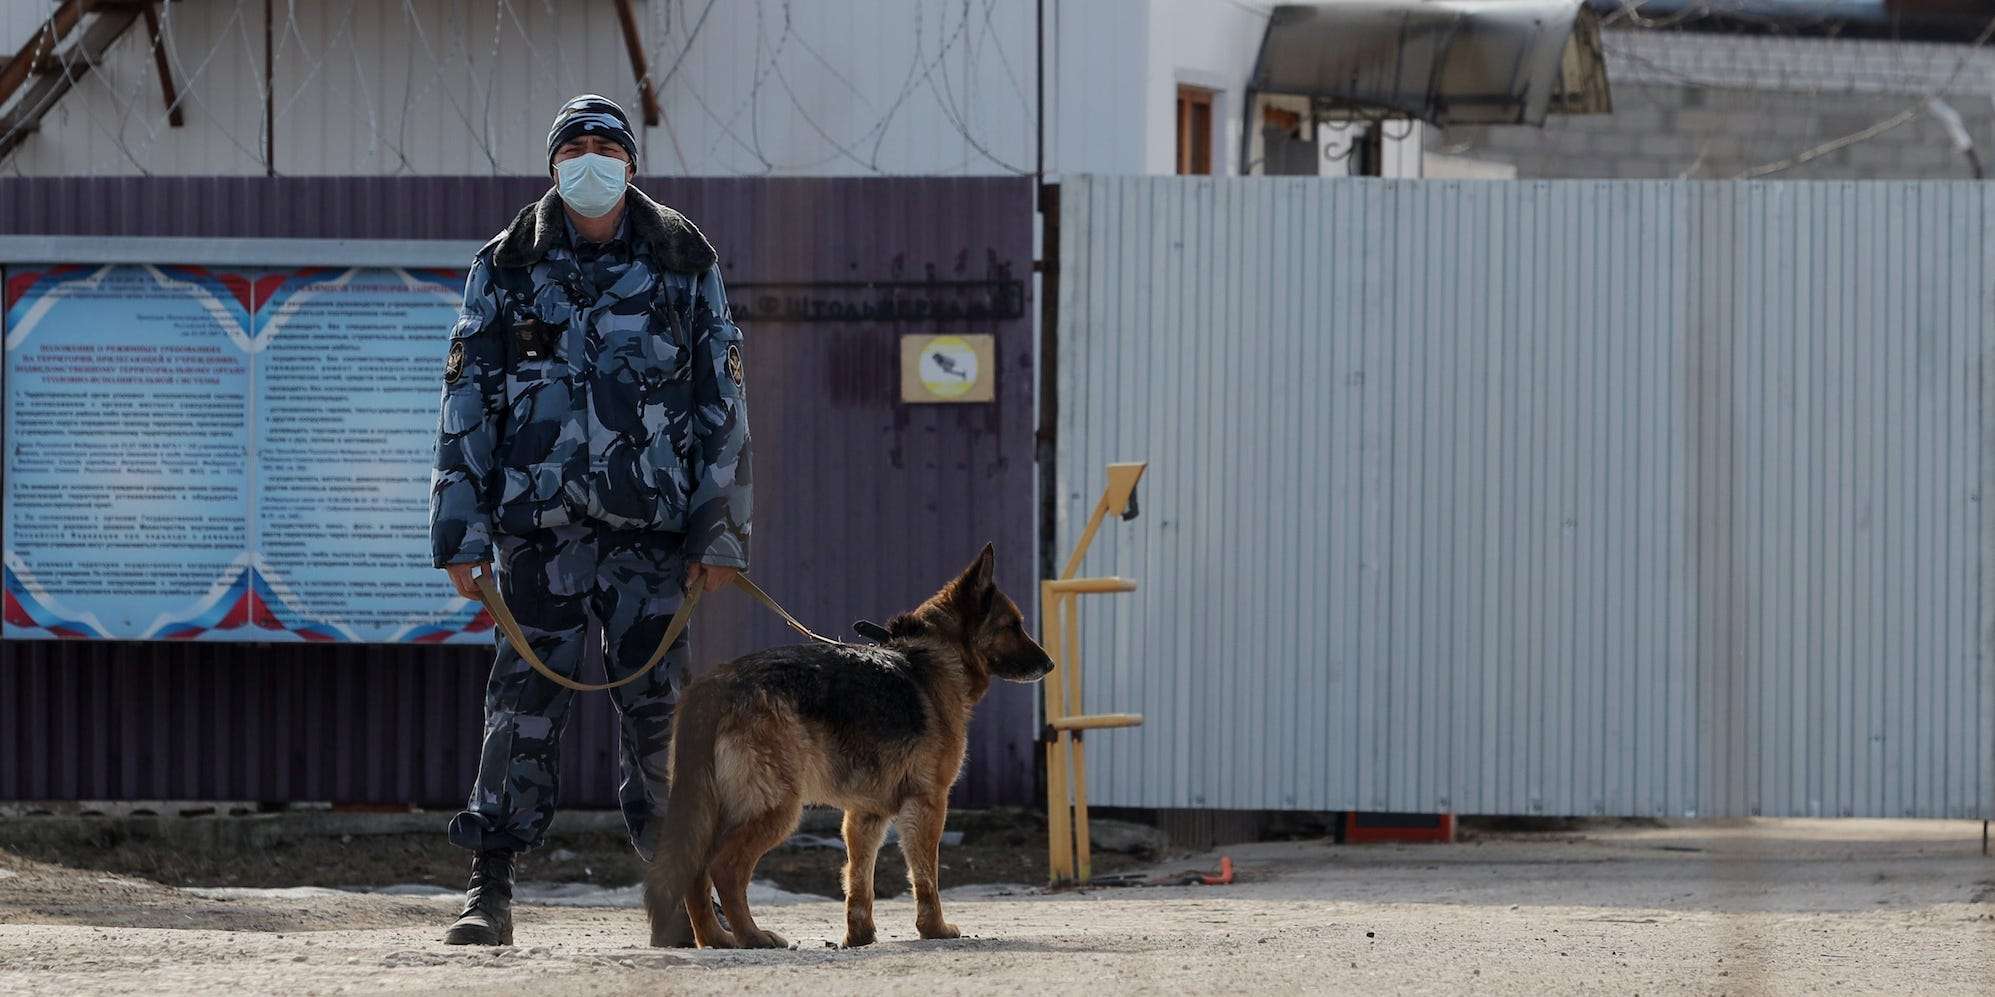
(263, 86)
(959, 116)
(439, 52)
(655, 59)
(492, 75)
(1766, 66)
(189, 83)
(375, 142)
(1630, 11)
(444, 54)
(121, 102)
(1881, 126)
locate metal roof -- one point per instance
(1446, 62)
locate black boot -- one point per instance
(488, 904)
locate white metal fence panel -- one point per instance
(1539, 498)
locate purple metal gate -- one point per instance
(863, 504)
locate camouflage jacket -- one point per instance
(561, 404)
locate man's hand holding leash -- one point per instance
(461, 576)
(712, 577)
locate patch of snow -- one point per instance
(586, 895)
(551, 894)
(893, 839)
(423, 891)
(989, 891)
(815, 841)
(263, 893)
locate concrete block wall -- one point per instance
(1704, 134)
(1705, 107)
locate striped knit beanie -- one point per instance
(590, 114)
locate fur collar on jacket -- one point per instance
(675, 243)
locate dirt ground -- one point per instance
(998, 846)
(1760, 907)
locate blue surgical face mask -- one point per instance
(591, 183)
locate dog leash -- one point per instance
(755, 592)
(488, 593)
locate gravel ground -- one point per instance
(1761, 907)
(997, 846)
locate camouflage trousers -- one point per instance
(556, 581)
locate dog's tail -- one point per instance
(690, 824)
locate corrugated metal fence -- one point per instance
(863, 505)
(1554, 498)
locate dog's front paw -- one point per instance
(939, 930)
(762, 940)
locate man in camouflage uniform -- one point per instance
(594, 443)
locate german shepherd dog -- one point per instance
(878, 731)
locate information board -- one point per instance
(203, 454)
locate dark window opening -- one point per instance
(1194, 131)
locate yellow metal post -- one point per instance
(1059, 839)
(1099, 721)
(1072, 647)
(1083, 862)
(1068, 855)
(1122, 480)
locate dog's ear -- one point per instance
(974, 591)
(983, 574)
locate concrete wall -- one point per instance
(1717, 107)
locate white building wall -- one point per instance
(461, 89)
(816, 87)
(824, 87)
(361, 87)
(18, 18)
(1214, 44)
(114, 120)
(809, 87)
(1204, 44)
(1097, 79)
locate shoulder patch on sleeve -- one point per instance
(734, 363)
(453, 365)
